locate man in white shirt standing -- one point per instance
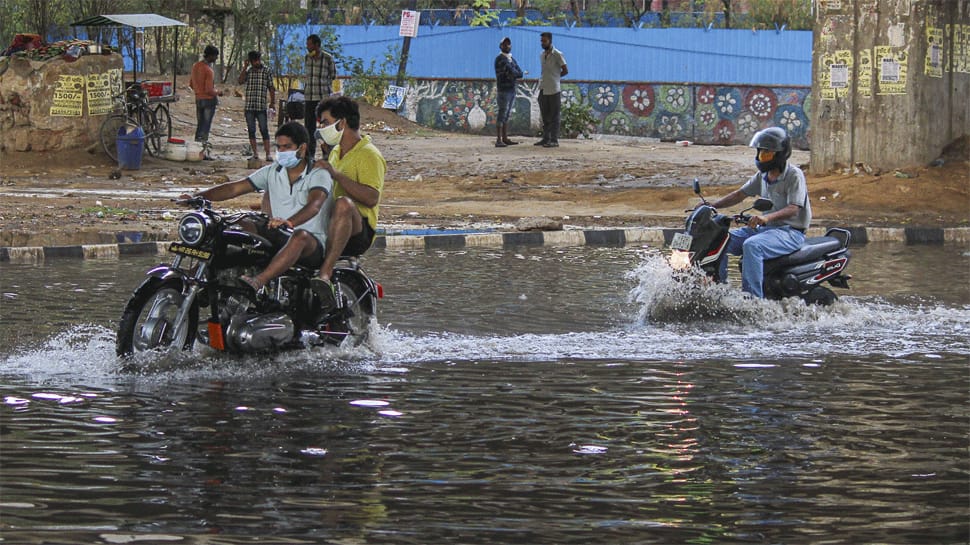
(550, 94)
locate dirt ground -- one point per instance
(445, 180)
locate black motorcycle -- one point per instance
(801, 273)
(213, 251)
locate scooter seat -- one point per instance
(814, 248)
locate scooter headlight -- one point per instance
(679, 260)
(193, 229)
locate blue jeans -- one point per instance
(253, 117)
(205, 110)
(755, 246)
(505, 100)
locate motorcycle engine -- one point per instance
(252, 332)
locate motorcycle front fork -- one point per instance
(188, 299)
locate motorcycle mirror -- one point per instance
(763, 205)
(697, 186)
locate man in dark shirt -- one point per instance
(507, 71)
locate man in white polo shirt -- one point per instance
(296, 195)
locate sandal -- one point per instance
(510, 142)
(325, 292)
(500, 144)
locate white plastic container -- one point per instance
(193, 151)
(175, 150)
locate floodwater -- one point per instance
(533, 395)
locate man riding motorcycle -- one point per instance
(781, 230)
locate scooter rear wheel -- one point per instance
(820, 296)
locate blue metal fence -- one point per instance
(675, 55)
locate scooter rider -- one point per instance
(781, 230)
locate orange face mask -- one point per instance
(765, 155)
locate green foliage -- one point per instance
(483, 15)
(795, 14)
(368, 82)
(577, 118)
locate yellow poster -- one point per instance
(864, 75)
(933, 65)
(68, 96)
(891, 67)
(835, 79)
(99, 94)
(960, 49)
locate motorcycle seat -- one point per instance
(813, 248)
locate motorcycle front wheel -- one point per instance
(148, 322)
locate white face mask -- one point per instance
(287, 159)
(330, 134)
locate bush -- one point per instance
(577, 118)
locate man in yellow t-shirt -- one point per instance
(357, 168)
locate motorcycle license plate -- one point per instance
(182, 249)
(681, 241)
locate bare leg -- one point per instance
(252, 145)
(265, 148)
(345, 222)
(301, 244)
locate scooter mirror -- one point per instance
(763, 205)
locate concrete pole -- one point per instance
(891, 81)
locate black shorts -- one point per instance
(359, 243)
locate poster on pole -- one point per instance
(409, 23)
(394, 97)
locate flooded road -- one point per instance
(571, 395)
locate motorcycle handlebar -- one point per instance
(195, 202)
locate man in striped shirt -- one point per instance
(258, 80)
(320, 73)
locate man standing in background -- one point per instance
(202, 83)
(550, 94)
(320, 73)
(507, 72)
(258, 80)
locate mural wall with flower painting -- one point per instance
(704, 114)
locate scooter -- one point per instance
(821, 260)
(212, 252)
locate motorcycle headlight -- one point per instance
(679, 260)
(193, 228)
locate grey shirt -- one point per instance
(789, 188)
(552, 63)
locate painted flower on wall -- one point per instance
(675, 98)
(747, 124)
(669, 126)
(603, 97)
(792, 119)
(571, 94)
(638, 100)
(617, 123)
(724, 132)
(706, 117)
(728, 103)
(706, 94)
(761, 102)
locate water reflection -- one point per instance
(509, 397)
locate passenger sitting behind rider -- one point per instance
(296, 197)
(781, 230)
(357, 168)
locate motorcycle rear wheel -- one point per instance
(148, 320)
(353, 328)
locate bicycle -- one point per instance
(132, 108)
